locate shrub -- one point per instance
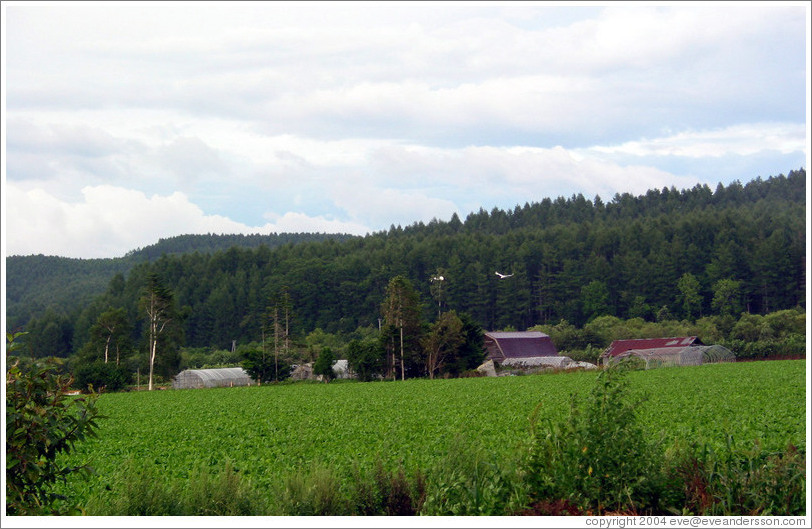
(102, 376)
(469, 482)
(365, 357)
(324, 364)
(42, 423)
(135, 491)
(141, 491)
(598, 458)
(264, 366)
(743, 482)
(589, 354)
(316, 493)
(380, 492)
(397, 495)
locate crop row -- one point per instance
(272, 431)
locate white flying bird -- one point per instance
(503, 276)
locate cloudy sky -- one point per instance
(125, 123)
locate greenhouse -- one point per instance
(693, 355)
(538, 361)
(537, 364)
(212, 378)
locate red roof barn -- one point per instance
(503, 346)
(621, 346)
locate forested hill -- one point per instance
(668, 253)
(35, 283)
(213, 243)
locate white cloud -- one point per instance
(279, 116)
(293, 222)
(367, 200)
(743, 140)
(108, 222)
(483, 176)
(298, 72)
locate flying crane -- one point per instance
(503, 276)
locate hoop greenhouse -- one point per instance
(676, 356)
(212, 378)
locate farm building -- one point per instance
(525, 352)
(619, 347)
(519, 347)
(341, 368)
(665, 352)
(211, 378)
(529, 365)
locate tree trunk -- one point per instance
(402, 364)
(153, 347)
(107, 346)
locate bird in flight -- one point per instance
(503, 276)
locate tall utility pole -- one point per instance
(438, 292)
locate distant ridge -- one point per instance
(569, 258)
(210, 243)
(35, 283)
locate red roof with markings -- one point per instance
(621, 346)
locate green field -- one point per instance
(273, 431)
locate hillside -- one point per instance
(666, 254)
(35, 283)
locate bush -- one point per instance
(324, 364)
(365, 358)
(42, 423)
(380, 492)
(141, 491)
(470, 482)
(102, 376)
(317, 493)
(598, 458)
(387, 493)
(741, 482)
(135, 491)
(264, 366)
(590, 354)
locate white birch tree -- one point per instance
(158, 304)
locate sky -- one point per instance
(124, 123)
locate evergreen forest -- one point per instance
(668, 254)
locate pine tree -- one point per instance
(401, 311)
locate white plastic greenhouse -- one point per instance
(538, 361)
(211, 378)
(677, 356)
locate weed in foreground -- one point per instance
(598, 460)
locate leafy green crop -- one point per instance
(269, 432)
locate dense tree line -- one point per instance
(211, 243)
(666, 254)
(38, 283)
